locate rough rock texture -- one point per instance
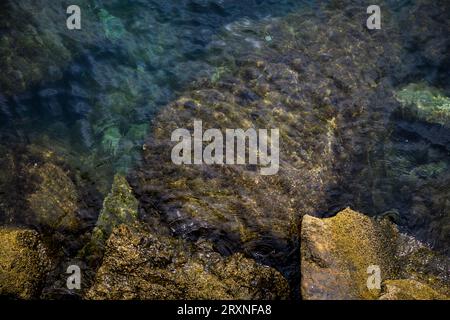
(55, 201)
(336, 253)
(410, 290)
(119, 207)
(139, 265)
(24, 263)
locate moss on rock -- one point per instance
(337, 251)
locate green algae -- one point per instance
(112, 26)
(430, 170)
(120, 206)
(111, 140)
(427, 102)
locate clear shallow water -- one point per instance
(96, 108)
(105, 98)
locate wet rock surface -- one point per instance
(24, 263)
(337, 252)
(140, 265)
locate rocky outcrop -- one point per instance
(337, 255)
(24, 263)
(141, 265)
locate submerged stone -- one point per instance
(119, 207)
(111, 140)
(112, 26)
(55, 201)
(35, 43)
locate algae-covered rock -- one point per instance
(427, 103)
(140, 265)
(119, 207)
(407, 289)
(24, 263)
(111, 140)
(55, 200)
(325, 100)
(338, 255)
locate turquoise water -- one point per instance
(100, 107)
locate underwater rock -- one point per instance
(337, 252)
(55, 201)
(426, 103)
(43, 190)
(140, 265)
(327, 121)
(119, 207)
(24, 263)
